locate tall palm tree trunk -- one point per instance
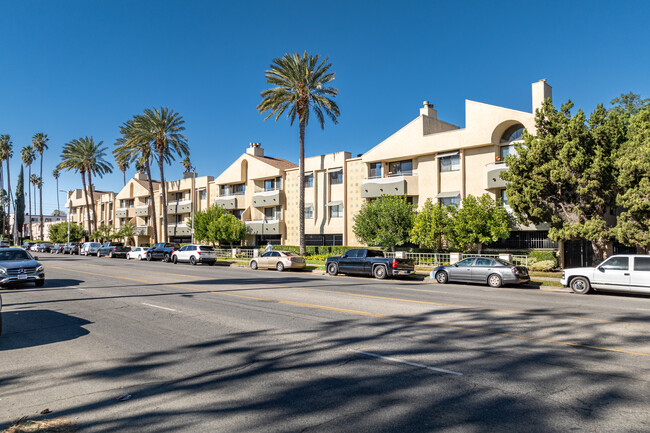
(58, 205)
(35, 197)
(153, 203)
(40, 196)
(9, 194)
(301, 187)
(92, 200)
(83, 182)
(163, 201)
(29, 193)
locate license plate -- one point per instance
(22, 277)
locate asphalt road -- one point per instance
(217, 349)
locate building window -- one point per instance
(180, 219)
(400, 168)
(147, 200)
(269, 213)
(178, 196)
(146, 220)
(336, 211)
(273, 184)
(309, 212)
(336, 177)
(239, 189)
(450, 163)
(238, 213)
(513, 133)
(309, 180)
(203, 194)
(450, 201)
(223, 190)
(504, 197)
(504, 151)
(374, 170)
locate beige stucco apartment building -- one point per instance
(427, 159)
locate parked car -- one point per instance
(162, 251)
(363, 261)
(0, 315)
(629, 273)
(71, 248)
(56, 249)
(137, 253)
(44, 247)
(483, 270)
(5, 243)
(18, 265)
(279, 260)
(27, 245)
(194, 254)
(113, 249)
(89, 248)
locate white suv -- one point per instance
(628, 273)
(89, 248)
(195, 254)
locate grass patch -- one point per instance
(546, 274)
(545, 283)
(58, 425)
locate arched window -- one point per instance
(513, 133)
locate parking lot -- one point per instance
(215, 348)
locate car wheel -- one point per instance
(140, 257)
(192, 260)
(332, 269)
(495, 281)
(99, 254)
(580, 285)
(212, 263)
(148, 257)
(166, 258)
(254, 265)
(379, 272)
(127, 256)
(110, 255)
(174, 259)
(280, 266)
(40, 283)
(442, 277)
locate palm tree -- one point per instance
(56, 173)
(36, 182)
(299, 81)
(39, 143)
(84, 156)
(133, 147)
(187, 164)
(163, 129)
(28, 157)
(6, 152)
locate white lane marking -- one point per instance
(158, 306)
(414, 364)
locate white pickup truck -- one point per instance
(629, 273)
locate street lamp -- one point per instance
(67, 217)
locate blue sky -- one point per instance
(81, 68)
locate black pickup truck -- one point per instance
(162, 251)
(113, 249)
(368, 262)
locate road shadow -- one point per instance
(30, 328)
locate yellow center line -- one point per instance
(367, 314)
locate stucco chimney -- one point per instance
(255, 149)
(427, 110)
(541, 92)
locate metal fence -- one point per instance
(443, 259)
(242, 253)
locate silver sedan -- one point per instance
(484, 270)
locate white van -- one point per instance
(89, 248)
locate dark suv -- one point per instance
(162, 251)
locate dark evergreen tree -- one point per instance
(20, 203)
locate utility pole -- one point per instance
(68, 215)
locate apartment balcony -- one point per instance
(142, 231)
(264, 227)
(494, 175)
(142, 211)
(391, 185)
(178, 230)
(266, 198)
(86, 216)
(176, 207)
(230, 202)
(121, 212)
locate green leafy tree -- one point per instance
(479, 220)
(59, 232)
(39, 143)
(102, 234)
(300, 82)
(627, 105)
(19, 211)
(565, 175)
(230, 229)
(6, 153)
(27, 155)
(633, 164)
(187, 164)
(431, 225)
(205, 226)
(386, 221)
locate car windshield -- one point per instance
(14, 255)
